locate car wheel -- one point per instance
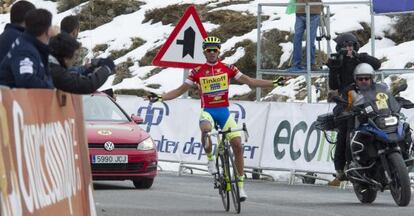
(144, 183)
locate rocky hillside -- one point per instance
(234, 21)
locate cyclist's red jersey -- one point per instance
(213, 82)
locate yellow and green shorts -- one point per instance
(221, 116)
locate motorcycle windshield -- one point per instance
(379, 101)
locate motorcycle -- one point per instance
(379, 144)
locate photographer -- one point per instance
(341, 68)
(62, 48)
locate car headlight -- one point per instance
(147, 144)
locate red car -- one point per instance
(118, 148)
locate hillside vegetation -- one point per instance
(230, 23)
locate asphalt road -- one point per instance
(194, 195)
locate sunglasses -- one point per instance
(363, 78)
(211, 50)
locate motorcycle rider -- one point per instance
(375, 150)
(366, 89)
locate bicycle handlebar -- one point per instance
(219, 131)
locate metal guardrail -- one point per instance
(382, 72)
(293, 173)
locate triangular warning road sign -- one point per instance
(183, 47)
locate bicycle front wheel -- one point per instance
(222, 169)
(235, 193)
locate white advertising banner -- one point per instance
(282, 135)
(174, 127)
(292, 141)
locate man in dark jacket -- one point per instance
(16, 26)
(71, 25)
(62, 49)
(341, 68)
(26, 64)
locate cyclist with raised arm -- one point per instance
(213, 80)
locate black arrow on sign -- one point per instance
(188, 42)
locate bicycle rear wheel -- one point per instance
(222, 183)
(235, 193)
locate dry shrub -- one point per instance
(403, 28)
(64, 5)
(122, 71)
(270, 49)
(136, 42)
(99, 12)
(148, 57)
(135, 92)
(170, 14)
(232, 23)
(99, 48)
(153, 72)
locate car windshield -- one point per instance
(101, 108)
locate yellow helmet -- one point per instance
(211, 42)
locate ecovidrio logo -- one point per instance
(300, 140)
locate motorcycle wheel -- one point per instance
(364, 193)
(400, 185)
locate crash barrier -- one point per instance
(44, 165)
(283, 136)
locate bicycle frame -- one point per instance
(225, 180)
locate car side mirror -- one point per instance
(137, 119)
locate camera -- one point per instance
(335, 60)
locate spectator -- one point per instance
(16, 26)
(62, 49)
(70, 25)
(25, 66)
(300, 26)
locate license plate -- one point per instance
(99, 159)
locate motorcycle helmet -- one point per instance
(364, 69)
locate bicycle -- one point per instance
(225, 180)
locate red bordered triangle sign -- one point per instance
(183, 48)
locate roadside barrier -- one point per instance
(44, 165)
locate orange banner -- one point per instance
(44, 165)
